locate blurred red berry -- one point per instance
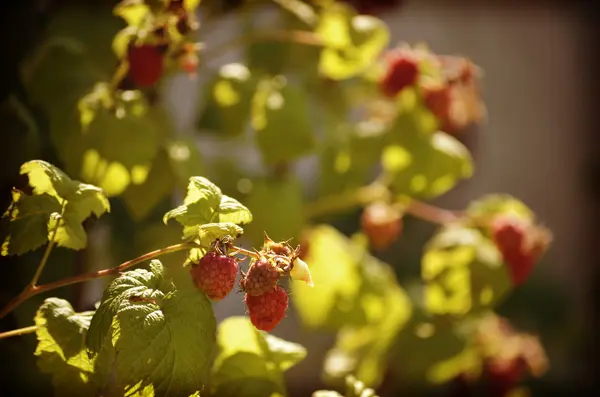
(402, 71)
(145, 64)
(382, 224)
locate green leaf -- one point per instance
(281, 120)
(347, 163)
(492, 205)
(251, 362)
(162, 328)
(120, 143)
(426, 166)
(206, 234)
(133, 12)
(201, 203)
(141, 199)
(271, 201)
(231, 210)
(63, 204)
(463, 272)
(60, 350)
(185, 159)
(352, 42)
(228, 100)
(28, 217)
(351, 287)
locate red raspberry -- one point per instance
(268, 309)
(520, 245)
(215, 274)
(382, 225)
(262, 276)
(402, 71)
(145, 65)
(503, 375)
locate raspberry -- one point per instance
(215, 274)
(520, 244)
(145, 65)
(503, 375)
(268, 309)
(402, 71)
(262, 276)
(382, 225)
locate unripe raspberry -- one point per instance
(215, 274)
(145, 65)
(268, 309)
(262, 276)
(382, 224)
(520, 243)
(402, 71)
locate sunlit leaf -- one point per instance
(353, 42)
(163, 331)
(141, 199)
(463, 272)
(201, 203)
(228, 100)
(56, 210)
(270, 201)
(60, 350)
(231, 210)
(426, 166)
(281, 121)
(251, 362)
(209, 232)
(492, 205)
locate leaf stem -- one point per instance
(42, 264)
(431, 213)
(35, 290)
(293, 36)
(243, 251)
(18, 332)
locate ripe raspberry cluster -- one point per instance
(265, 299)
(452, 95)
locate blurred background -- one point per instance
(537, 144)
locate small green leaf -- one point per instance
(201, 203)
(162, 328)
(426, 166)
(353, 42)
(463, 272)
(133, 12)
(281, 120)
(251, 362)
(231, 210)
(63, 204)
(492, 205)
(28, 217)
(60, 350)
(206, 234)
(228, 100)
(270, 201)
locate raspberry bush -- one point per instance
(320, 81)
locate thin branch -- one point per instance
(431, 213)
(18, 332)
(35, 290)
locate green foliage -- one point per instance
(271, 201)
(60, 350)
(205, 204)
(228, 100)
(144, 308)
(354, 388)
(281, 121)
(55, 212)
(463, 272)
(352, 42)
(251, 362)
